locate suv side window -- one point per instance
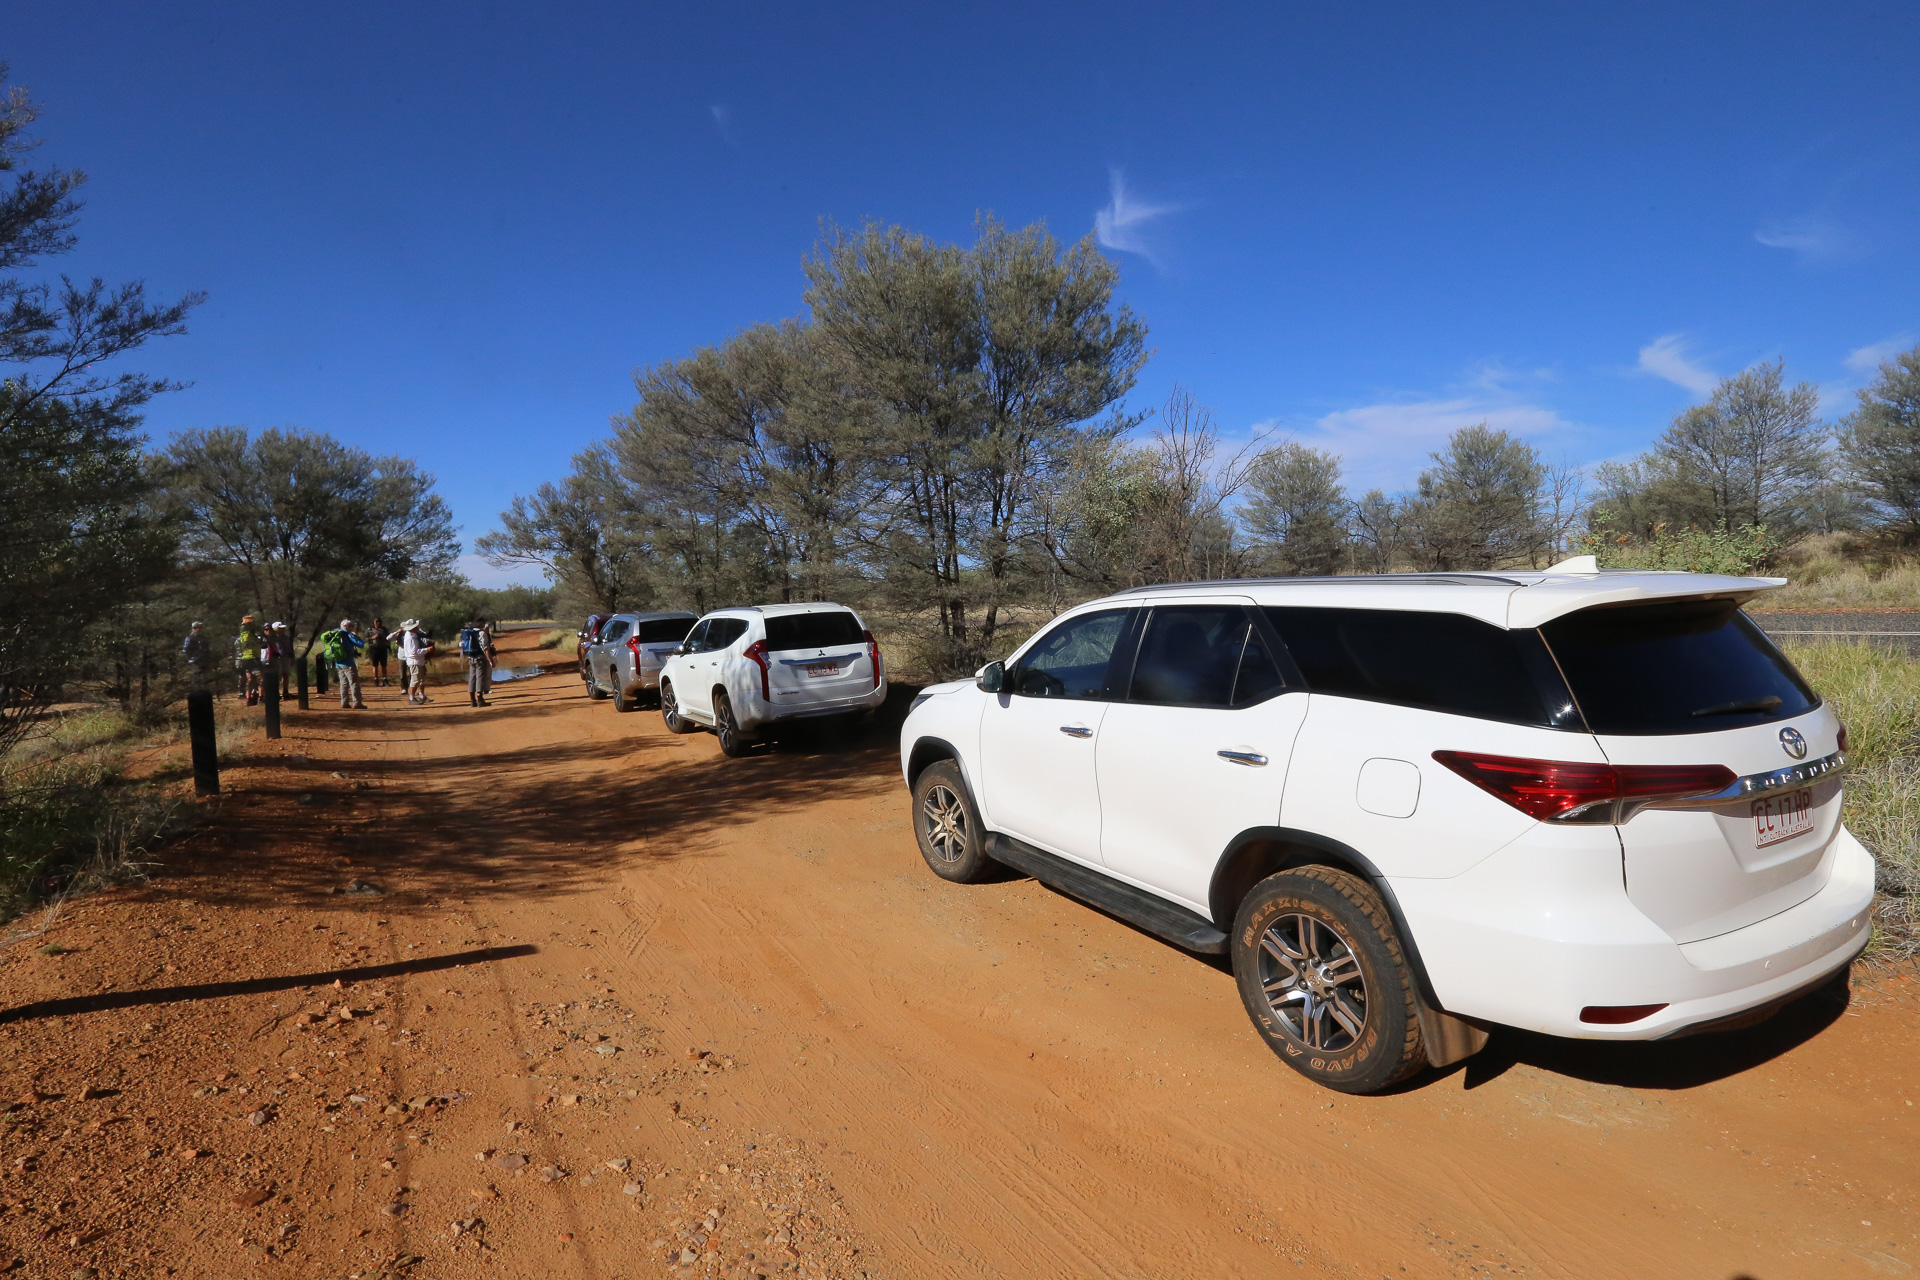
(696, 641)
(614, 633)
(722, 632)
(1439, 661)
(1072, 660)
(1203, 656)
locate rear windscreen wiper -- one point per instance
(1767, 703)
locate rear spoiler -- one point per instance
(1559, 592)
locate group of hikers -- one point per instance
(264, 654)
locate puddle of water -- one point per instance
(502, 674)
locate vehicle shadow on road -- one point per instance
(1685, 1063)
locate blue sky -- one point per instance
(452, 231)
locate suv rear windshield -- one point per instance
(665, 630)
(1690, 666)
(813, 630)
(1437, 661)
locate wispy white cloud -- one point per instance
(482, 574)
(1667, 358)
(723, 121)
(1122, 224)
(1812, 237)
(1385, 445)
(1868, 359)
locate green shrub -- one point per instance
(1717, 550)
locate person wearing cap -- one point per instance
(343, 647)
(379, 642)
(248, 648)
(414, 649)
(199, 656)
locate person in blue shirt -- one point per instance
(343, 648)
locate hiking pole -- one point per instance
(300, 668)
(206, 754)
(273, 703)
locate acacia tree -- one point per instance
(308, 527)
(579, 533)
(987, 366)
(1478, 505)
(1881, 442)
(77, 538)
(1296, 510)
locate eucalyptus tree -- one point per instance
(1880, 442)
(1296, 511)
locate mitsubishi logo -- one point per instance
(1793, 744)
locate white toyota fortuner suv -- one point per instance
(742, 670)
(1584, 802)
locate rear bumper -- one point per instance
(1536, 933)
(764, 715)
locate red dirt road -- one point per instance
(598, 942)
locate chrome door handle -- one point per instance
(1076, 731)
(1249, 758)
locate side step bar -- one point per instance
(1137, 907)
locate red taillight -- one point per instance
(1615, 1014)
(633, 647)
(873, 655)
(757, 654)
(1563, 790)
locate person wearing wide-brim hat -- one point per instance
(414, 649)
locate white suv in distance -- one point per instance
(744, 669)
(1588, 803)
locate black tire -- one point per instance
(733, 742)
(621, 702)
(594, 691)
(946, 825)
(1322, 974)
(670, 712)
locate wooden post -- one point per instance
(272, 692)
(300, 671)
(206, 752)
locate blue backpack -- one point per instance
(470, 642)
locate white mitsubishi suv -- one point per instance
(1584, 802)
(744, 669)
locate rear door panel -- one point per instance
(1699, 872)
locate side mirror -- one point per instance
(991, 678)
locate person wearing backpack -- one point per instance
(342, 647)
(476, 646)
(248, 654)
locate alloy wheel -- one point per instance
(946, 821)
(1313, 983)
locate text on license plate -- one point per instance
(1779, 818)
(823, 668)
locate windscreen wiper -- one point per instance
(1767, 703)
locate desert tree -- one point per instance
(305, 526)
(579, 532)
(1478, 505)
(1880, 442)
(1296, 510)
(78, 535)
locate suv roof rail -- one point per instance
(1449, 579)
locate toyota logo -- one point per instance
(1793, 744)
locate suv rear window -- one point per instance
(1690, 666)
(1438, 661)
(664, 630)
(813, 630)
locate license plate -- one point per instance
(1778, 818)
(823, 668)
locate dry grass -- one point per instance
(1877, 696)
(1821, 576)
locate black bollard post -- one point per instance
(320, 677)
(300, 668)
(206, 753)
(272, 692)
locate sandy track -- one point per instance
(903, 1078)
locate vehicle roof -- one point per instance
(1516, 599)
(776, 610)
(653, 617)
